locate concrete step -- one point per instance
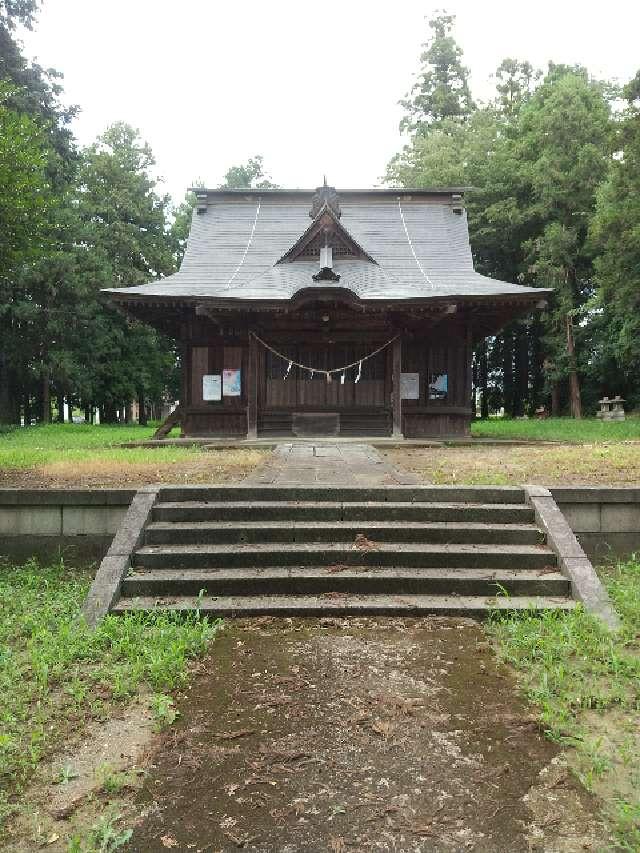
(219, 532)
(359, 580)
(437, 494)
(346, 605)
(423, 555)
(336, 511)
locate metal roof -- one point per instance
(420, 249)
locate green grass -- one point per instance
(558, 429)
(68, 443)
(586, 684)
(55, 674)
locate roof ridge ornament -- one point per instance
(325, 196)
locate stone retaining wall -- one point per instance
(605, 519)
(39, 522)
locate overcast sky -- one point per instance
(311, 87)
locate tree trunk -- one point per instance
(46, 397)
(7, 403)
(142, 409)
(127, 412)
(88, 414)
(555, 399)
(61, 408)
(537, 361)
(27, 410)
(521, 391)
(507, 373)
(107, 413)
(483, 381)
(574, 381)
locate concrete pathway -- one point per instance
(303, 464)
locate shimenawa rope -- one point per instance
(291, 363)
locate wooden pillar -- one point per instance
(396, 398)
(252, 389)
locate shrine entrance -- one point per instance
(297, 396)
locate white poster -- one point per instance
(212, 387)
(410, 386)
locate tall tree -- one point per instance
(124, 221)
(515, 82)
(441, 91)
(25, 200)
(563, 143)
(249, 175)
(616, 235)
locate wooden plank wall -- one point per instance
(367, 401)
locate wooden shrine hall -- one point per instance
(351, 313)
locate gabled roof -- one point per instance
(325, 221)
(413, 244)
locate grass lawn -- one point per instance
(586, 683)
(57, 677)
(83, 455)
(546, 465)
(591, 430)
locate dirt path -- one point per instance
(358, 735)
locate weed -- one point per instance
(163, 710)
(104, 837)
(46, 648)
(112, 781)
(65, 775)
(585, 681)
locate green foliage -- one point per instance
(569, 664)
(163, 710)
(441, 92)
(13, 12)
(616, 235)
(249, 175)
(104, 837)
(535, 158)
(55, 673)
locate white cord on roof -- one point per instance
(255, 221)
(413, 251)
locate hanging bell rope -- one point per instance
(326, 373)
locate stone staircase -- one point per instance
(240, 550)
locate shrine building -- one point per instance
(350, 313)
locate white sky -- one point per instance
(311, 87)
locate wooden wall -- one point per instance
(208, 352)
(364, 407)
(451, 415)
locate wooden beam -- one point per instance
(396, 398)
(252, 389)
